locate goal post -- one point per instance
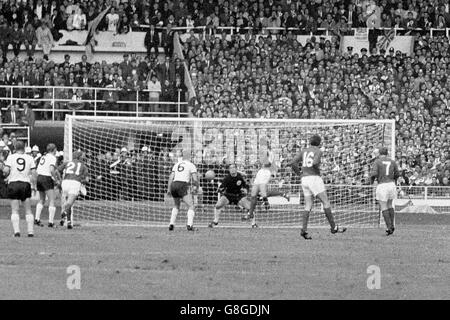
(130, 187)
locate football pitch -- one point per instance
(225, 263)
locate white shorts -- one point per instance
(263, 176)
(71, 187)
(386, 191)
(312, 185)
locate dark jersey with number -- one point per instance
(309, 158)
(74, 170)
(233, 185)
(385, 170)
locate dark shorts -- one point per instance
(19, 190)
(44, 183)
(233, 198)
(179, 189)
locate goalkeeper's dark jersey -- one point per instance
(385, 170)
(233, 185)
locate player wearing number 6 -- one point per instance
(385, 171)
(75, 174)
(183, 174)
(312, 184)
(47, 174)
(20, 169)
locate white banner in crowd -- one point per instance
(400, 43)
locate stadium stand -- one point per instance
(237, 74)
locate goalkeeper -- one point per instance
(233, 190)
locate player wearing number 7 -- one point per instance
(312, 184)
(75, 174)
(385, 171)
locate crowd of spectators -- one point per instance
(279, 78)
(38, 22)
(153, 80)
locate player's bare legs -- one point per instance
(260, 189)
(222, 202)
(253, 201)
(386, 208)
(39, 208)
(29, 217)
(68, 203)
(51, 207)
(63, 206)
(15, 218)
(327, 210)
(175, 210)
(391, 209)
(305, 218)
(50, 194)
(189, 200)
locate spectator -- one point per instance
(30, 40)
(179, 91)
(27, 117)
(79, 20)
(112, 19)
(152, 40)
(16, 38)
(59, 20)
(167, 40)
(154, 87)
(110, 97)
(44, 38)
(12, 115)
(5, 38)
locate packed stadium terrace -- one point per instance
(267, 78)
(304, 14)
(264, 78)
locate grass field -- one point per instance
(152, 263)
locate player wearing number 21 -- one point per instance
(75, 175)
(183, 174)
(312, 184)
(385, 171)
(20, 169)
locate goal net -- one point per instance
(130, 186)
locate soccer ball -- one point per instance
(209, 175)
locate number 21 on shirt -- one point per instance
(71, 168)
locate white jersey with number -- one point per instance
(20, 165)
(45, 165)
(263, 176)
(182, 171)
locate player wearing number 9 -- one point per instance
(20, 169)
(312, 184)
(75, 173)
